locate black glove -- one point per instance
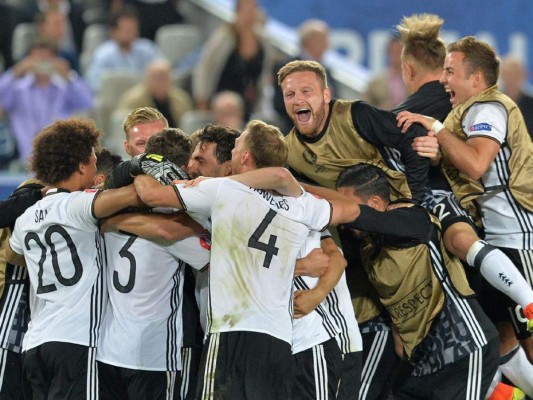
(158, 167)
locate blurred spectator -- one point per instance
(236, 57)
(9, 18)
(387, 89)
(152, 14)
(159, 92)
(314, 42)
(513, 76)
(73, 38)
(228, 110)
(124, 50)
(38, 90)
(52, 26)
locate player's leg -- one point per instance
(35, 382)
(72, 370)
(153, 385)
(350, 383)
(317, 372)
(112, 385)
(10, 375)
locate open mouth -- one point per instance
(303, 115)
(452, 95)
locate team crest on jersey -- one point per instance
(91, 190)
(481, 127)
(205, 242)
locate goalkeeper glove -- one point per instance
(157, 166)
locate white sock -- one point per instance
(500, 272)
(519, 370)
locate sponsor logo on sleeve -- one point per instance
(482, 127)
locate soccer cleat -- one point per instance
(528, 313)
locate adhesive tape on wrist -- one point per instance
(437, 126)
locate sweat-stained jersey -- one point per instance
(142, 328)
(256, 237)
(63, 249)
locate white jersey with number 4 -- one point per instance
(63, 250)
(255, 239)
(142, 328)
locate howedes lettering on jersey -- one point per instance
(273, 200)
(40, 215)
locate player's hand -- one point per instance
(427, 146)
(315, 264)
(406, 119)
(196, 181)
(157, 166)
(305, 301)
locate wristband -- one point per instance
(437, 127)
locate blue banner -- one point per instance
(362, 27)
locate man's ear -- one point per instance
(226, 168)
(99, 179)
(410, 71)
(377, 203)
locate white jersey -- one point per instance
(142, 327)
(334, 317)
(256, 237)
(64, 254)
(506, 223)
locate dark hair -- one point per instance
(172, 143)
(223, 136)
(478, 56)
(106, 160)
(125, 12)
(59, 149)
(366, 180)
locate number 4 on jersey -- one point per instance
(269, 248)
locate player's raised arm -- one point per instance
(273, 178)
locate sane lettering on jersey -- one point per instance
(271, 199)
(40, 215)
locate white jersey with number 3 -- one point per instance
(142, 328)
(255, 239)
(62, 246)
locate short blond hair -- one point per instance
(302, 66)
(142, 115)
(266, 144)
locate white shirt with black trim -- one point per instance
(142, 327)
(256, 237)
(506, 223)
(63, 249)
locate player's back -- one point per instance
(143, 324)
(254, 248)
(63, 250)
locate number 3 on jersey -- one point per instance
(269, 248)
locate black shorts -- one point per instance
(498, 306)
(352, 365)
(190, 364)
(449, 211)
(57, 370)
(467, 378)
(245, 365)
(379, 360)
(10, 375)
(118, 383)
(317, 372)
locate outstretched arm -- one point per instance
(472, 157)
(344, 210)
(153, 194)
(271, 178)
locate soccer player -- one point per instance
(443, 331)
(256, 236)
(139, 351)
(486, 160)
(59, 241)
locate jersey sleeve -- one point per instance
(316, 212)
(80, 209)
(487, 120)
(199, 199)
(193, 251)
(15, 241)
